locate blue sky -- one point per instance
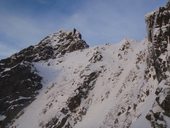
(26, 22)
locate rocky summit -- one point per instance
(62, 83)
(19, 79)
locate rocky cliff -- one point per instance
(158, 24)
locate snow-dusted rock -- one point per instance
(19, 80)
(124, 85)
(159, 60)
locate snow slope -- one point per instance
(119, 95)
(124, 85)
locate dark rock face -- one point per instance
(18, 87)
(159, 35)
(158, 24)
(19, 80)
(83, 91)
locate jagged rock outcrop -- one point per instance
(158, 33)
(50, 47)
(18, 87)
(158, 23)
(19, 79)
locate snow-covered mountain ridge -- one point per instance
(74, 87)
(19, 79)
(62, 83)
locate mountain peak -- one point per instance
(64, 41)
(58, 84)
(62, 37)
(50, 47)
(19, 80)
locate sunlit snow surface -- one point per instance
(117, 100)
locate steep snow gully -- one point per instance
(62, 83)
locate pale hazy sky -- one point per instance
(26, 22)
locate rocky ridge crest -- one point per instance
(19, 79)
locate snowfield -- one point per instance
(119, 95)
